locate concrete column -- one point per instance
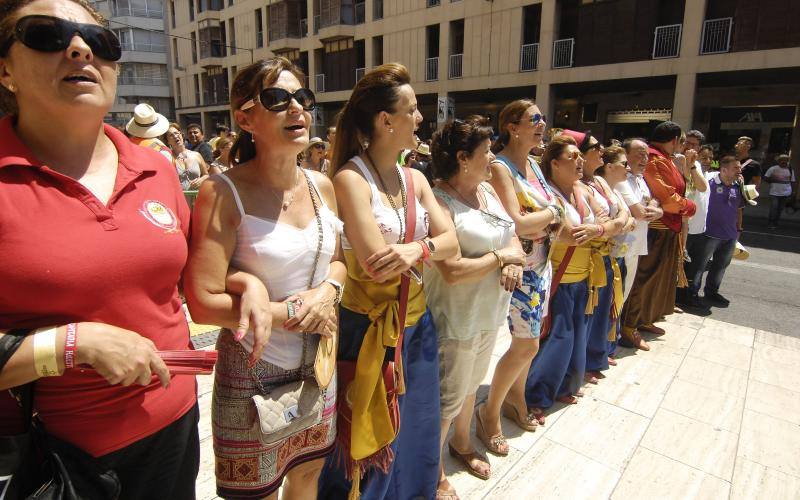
(683, 104)
(205, 124)
(444, 53)
(545, 99)
(548, 33)
(694, 13)
(368, 56)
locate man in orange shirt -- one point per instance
(653, 293)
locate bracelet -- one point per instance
(426, 252)
(339, 289)
(70, 345)
(556, 210)
(500, 263)
(44, 353)
(602, 230)
(290, 309)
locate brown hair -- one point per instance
(554, 148)
(378, 90)
(727, 159)
(457, 135)
(512, 113)
(247, 84)
(610, 155)
(8, 101)
(222, 143)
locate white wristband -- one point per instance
(44, 353)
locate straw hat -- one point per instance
(424, 149)
(314, 141)
(146, 122)
(750, 194)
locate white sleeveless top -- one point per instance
(464, 310)
(281, 256)
(386, 218)
(572, 213)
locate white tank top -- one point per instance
(386, 218)
(281, 256)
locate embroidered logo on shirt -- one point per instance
(159, 215)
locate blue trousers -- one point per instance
(558, 368)
(600, 324)
(719, 252)
(414, 472)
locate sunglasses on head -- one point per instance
(596, 146)
(276, 99)
(52, 34)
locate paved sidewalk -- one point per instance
(712, 411)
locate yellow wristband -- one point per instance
(44, 353)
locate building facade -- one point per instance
(728, 67)
(143, 69)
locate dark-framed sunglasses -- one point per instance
(53, 34)
(276, 99)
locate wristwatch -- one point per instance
(338, 287)
(431, 246)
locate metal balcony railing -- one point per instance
(456, 67)
(667, 41)
(137, 12)
(144, 47)
(361, 12)
(431, 69)
(360, 72)
(142, 80)
(319, 83)
(529, 57)
(317, 20)
(562, 53)
(303, 28)
(716, 38)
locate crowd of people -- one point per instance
(309, 253)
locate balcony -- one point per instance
(360, 72)
(529, 57)
(131, 11)
(142, 80)
(667, 41)
(319, 83)
(716, 38)
(336, 22)
(303, 28)
(212, 98)
(144, 47)
(563, 53)
(456, 66)
(431, 69)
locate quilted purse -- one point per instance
(296, 406)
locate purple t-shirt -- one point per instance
(723, 207)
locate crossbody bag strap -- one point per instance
(405, 281)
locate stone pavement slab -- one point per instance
(711, 412)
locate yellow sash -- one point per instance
(587, 264)
(372, 428)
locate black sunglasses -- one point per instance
(277, 99)
(52, 34)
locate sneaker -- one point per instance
(695, 302)
(717, 300)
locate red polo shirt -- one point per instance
(67, 257)
(668, 186)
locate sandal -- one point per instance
(568, 399)
(467, 458)
(445, 494)
(538, 413)
(529, 423)
(612, 361)
(496, 444)
(596, 374)
(589, 378)
(652, 329)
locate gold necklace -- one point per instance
(463, 199)
(286, 203)
(402, 236)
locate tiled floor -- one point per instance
(711, 412)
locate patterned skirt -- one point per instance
(245, 468)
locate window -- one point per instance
(172, 12)
(232, 34)
(191, 10)
(178, 99)
(377, 10)
(194, 46)
(197, 90)
(377, 51)
(143, 74)
(212, 41)
(153, 9)
(175, 52)
(141, 40)
(259, 30)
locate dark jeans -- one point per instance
(776, 205)
(719, 252)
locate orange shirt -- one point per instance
(668, 186)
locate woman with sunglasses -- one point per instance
(277, 221)
(314, 156)
(607, 277)
(613, 172)
(96, 228)
(392, 224)
(468, 294)
(222, 148)
(531, 204)
(557, 372)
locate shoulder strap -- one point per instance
(580, 204)
(235, 194)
